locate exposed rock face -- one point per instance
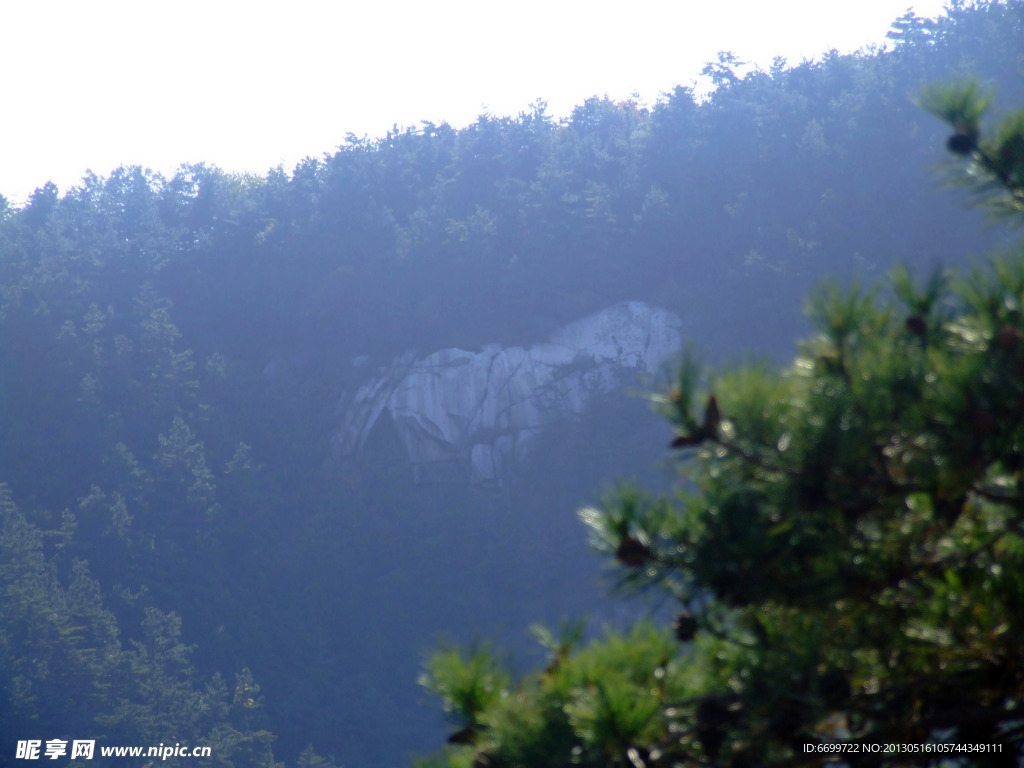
(471, 416)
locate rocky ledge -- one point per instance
(471, 416)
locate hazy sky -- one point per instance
(93, 84)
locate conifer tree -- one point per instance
(846, 546)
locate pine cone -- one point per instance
(961, 144)
(632, 552)
(685, 626)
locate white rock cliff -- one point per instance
(471, 416)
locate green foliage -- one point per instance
(591, 704)
(308, 758)
(173, 347)
(468, 685)
(64, 667)
(996, 167)
(847, 549)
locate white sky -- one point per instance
(248, 84)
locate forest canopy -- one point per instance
(181, 557)
(845, 551)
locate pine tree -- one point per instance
(846, 546)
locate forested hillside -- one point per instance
(181, 558)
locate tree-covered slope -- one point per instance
(172, 352)
(845, 549)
